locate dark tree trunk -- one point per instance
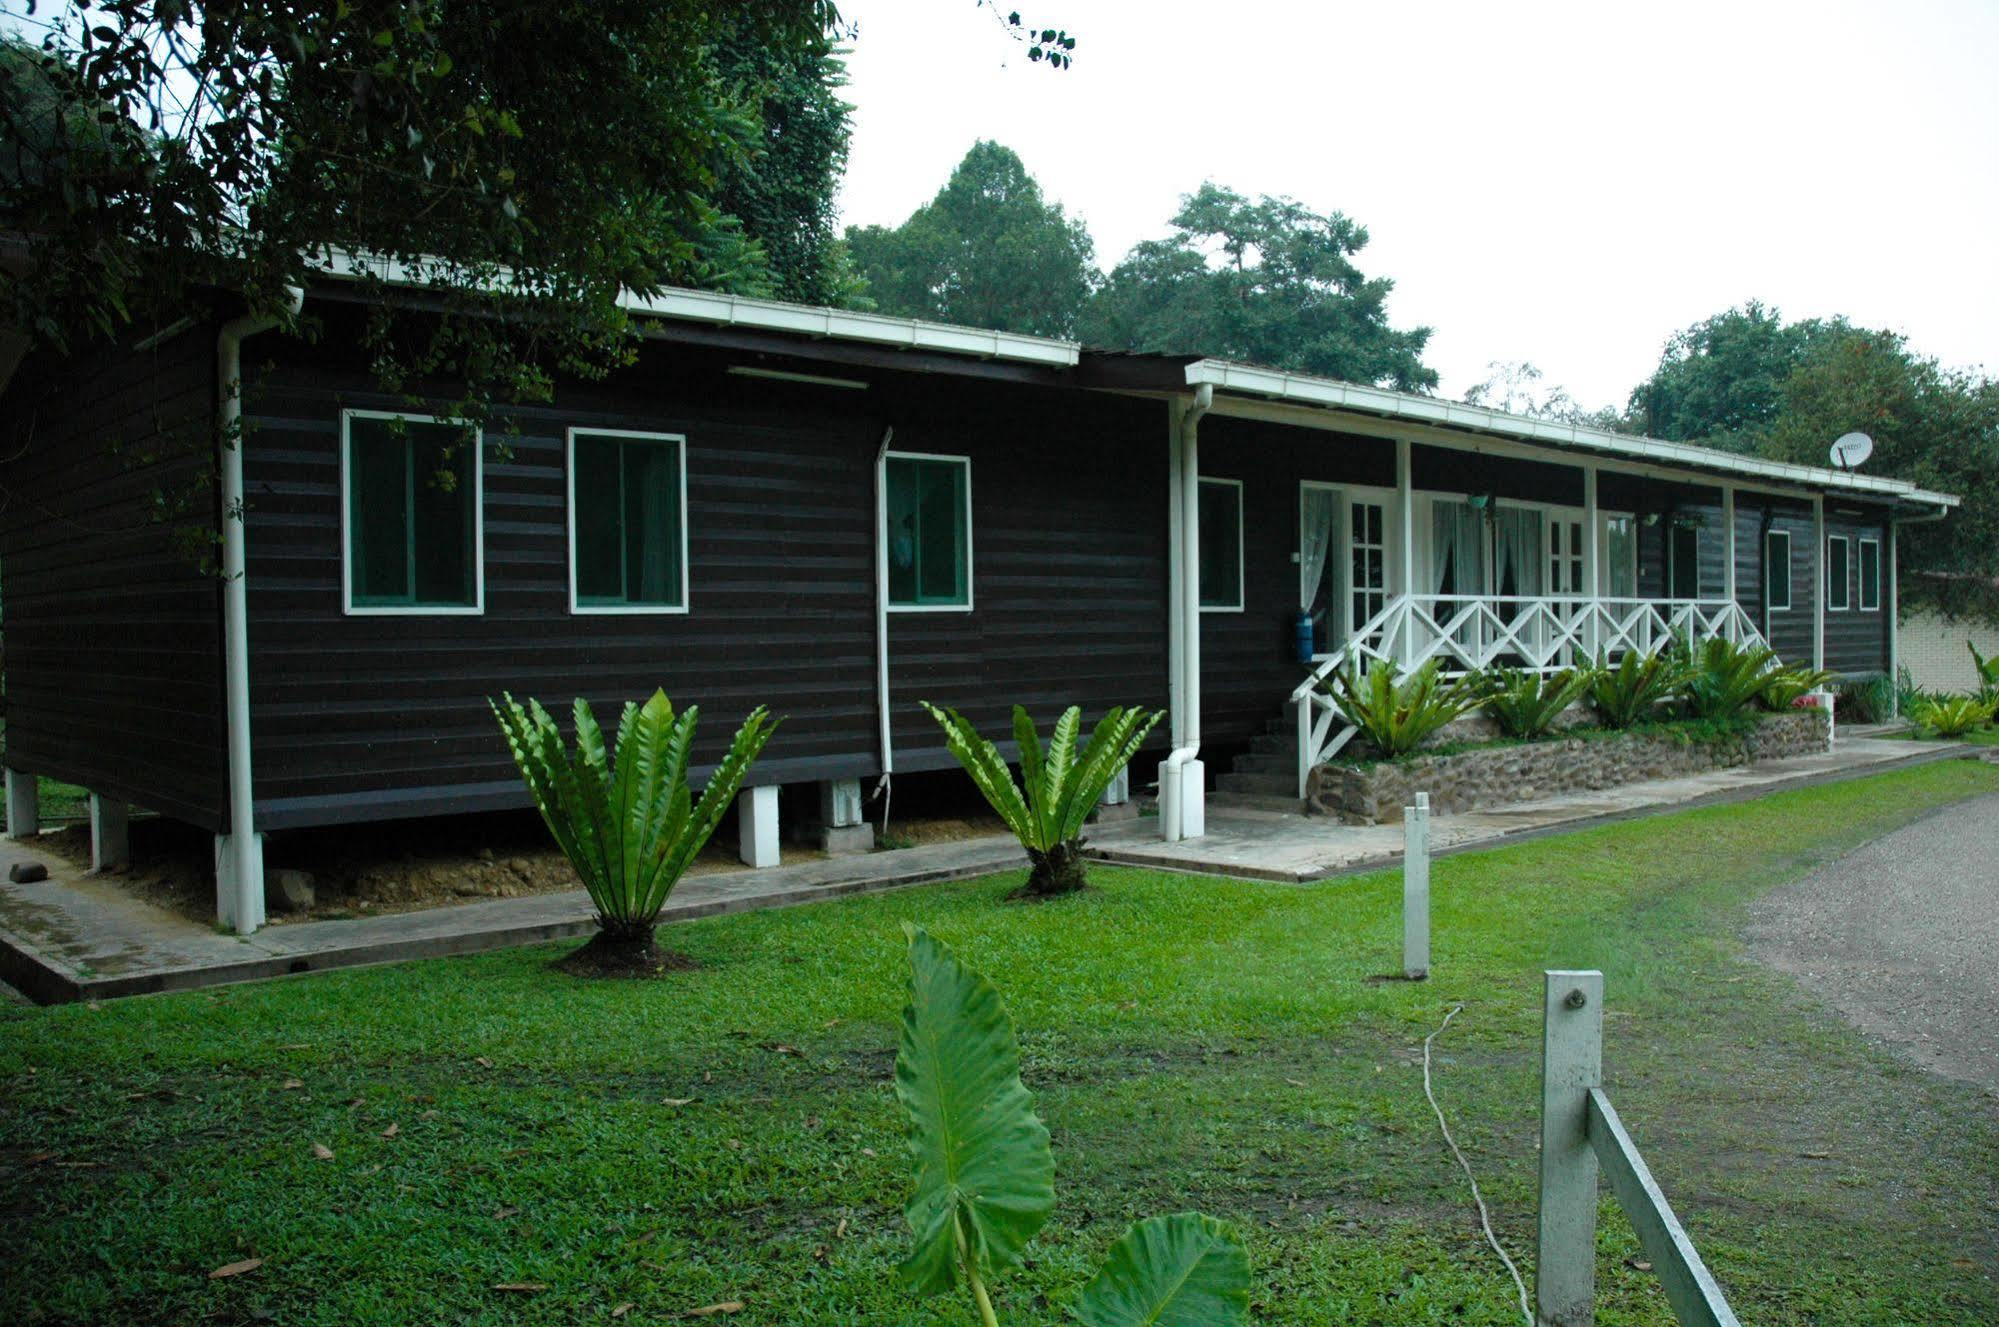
(622, 949)
(1056, 872)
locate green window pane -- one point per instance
(412, 508)
(929, 543)
(1836, 573)
(652, 523)
(1870, 575)
(1686, 562)
(442, 499)
(1777, 566)
(1221, 545)
(378, 513)
(598, 483)
(628, 521)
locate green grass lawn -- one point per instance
(1192, 1043)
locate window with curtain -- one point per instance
(1221, 544)
(628, 522)
(1517, 534)
(1777, 570)
(1870, 575)
(1620, 556)
(1684, 553)
(1458, 549)
(1838, 574)
(929, 531)
(412, 513)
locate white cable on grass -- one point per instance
(1484, 1217)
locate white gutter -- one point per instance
(1182, 810)
(239, 898)
(1304, 389)
(881, 601)
(765, 315)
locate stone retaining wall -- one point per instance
(1502, 775)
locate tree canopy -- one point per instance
(988, 251)
(1747, 380)
(1268, 282)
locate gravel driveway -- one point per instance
(1902, 936)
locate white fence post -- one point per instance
(1571, 1064)
(1416, 889)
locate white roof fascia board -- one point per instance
(1330, 394)
(716, 309)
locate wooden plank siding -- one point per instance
(371, 717)
(112, 625)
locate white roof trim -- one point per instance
(1331, 394)
(765, 315)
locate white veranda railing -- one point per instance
(1536, 633)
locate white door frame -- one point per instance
(1339, 586)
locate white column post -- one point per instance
(756, 825)
(1416, 889)
(1818, 582)
(24, 805)
(1894, 607)
(1571, 1064)
(1405, 514)
(110, 835)
(1592, 565)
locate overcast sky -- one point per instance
(1560, 183)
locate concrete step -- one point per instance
(1260, 784)
(1275, 744)
(1271, 762)
(1226, 801)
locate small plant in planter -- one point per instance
(1396, 716)
(1788, 686)
(1987, 672)
(1631, 691)
(1061, 786)
(985, 1175)
(1526, 705)
(1952, 716)
(631, 829)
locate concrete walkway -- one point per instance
(1293, 848)
(75, 937)
(1902, 937)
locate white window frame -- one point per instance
(1769, 560)
(1241, 520)
(1860, 573)
(347, 605)
(1844, 590)
(576, 605)
(881, 535)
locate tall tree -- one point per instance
(1936, 426)
(987, 251)
(1722, 380)
(1269, 282)
(783, 189)
(1518, 388)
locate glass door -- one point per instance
(1367, 574)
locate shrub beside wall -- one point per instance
(1503, 775)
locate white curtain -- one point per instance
(1519, 558)
(1457, 549)
(1316, 516)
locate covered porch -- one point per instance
(1336, 526)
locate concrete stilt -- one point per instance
(756, 826)
(841, 831)
(110, 834)
(24, 805)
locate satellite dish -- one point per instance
(1852, 450)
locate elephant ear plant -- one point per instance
(985, 1177)
(1061, 786)
(630, 829)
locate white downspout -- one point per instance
(239, 857)
(1182, 779)
(881, 618)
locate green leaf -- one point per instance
(1173, 1271)
(984, 1171)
